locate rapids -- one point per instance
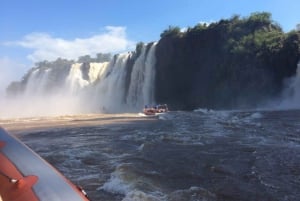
(200, 155)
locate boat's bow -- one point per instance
(24, 175)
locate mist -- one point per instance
(291, 95)
(62, 87)
(10, 71)
(37, 106)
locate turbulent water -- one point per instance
(181, 156)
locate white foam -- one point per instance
(256, 115)
(141, 196)
(141, 147)
(126, 181)
(193, 193)
(116, 185)
(163, 116)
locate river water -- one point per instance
(181, 156)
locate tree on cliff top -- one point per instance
(171, 31)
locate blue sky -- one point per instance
(34, 30)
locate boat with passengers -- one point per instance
(157, 109)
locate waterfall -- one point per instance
(111, 93)
(141, 89)
(291, 95)
(124, 84)
(37, 82)
(75, 79)
(78, 78)
(109, 90)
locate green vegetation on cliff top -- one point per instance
(238, 62)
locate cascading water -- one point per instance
(110, 93)
(291, 95)
(109, 88)
(37, 82)
(141, 89)
(125, 84)
(75, 79)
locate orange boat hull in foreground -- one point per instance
(25, 176)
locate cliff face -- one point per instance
(229, 64)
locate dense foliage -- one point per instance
(239, 62)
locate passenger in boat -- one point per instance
(162, 108)
(149, 110)
(156, 109)
(153, 109)
(166, 108)
(145, 108)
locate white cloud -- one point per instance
(46, 47)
